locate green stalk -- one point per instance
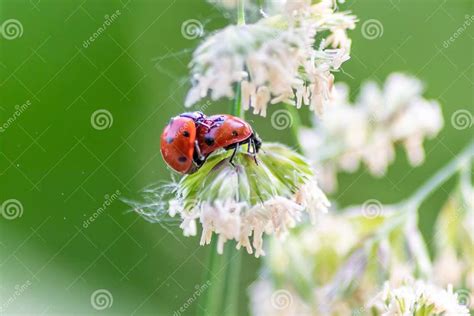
(442, 176)
(211, 299)
(233, 270)
(231, 288)
(223, 295)
(424, 191)
(236, 106)
(241, 13)
(231, 299)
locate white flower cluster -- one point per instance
(307, 259)
(248, 200)
(308, 266)
(368, 130)
(243, 200)
(240, 221)
(274, 59)
(339, 266)
(418, 298)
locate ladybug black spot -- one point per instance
(209, 141)
(235, 134)
(186, 134)
(182, 159)
(169, 139)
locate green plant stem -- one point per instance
(442, 175)
(231, 288)
(223, 295)
(212, 298)
(241, 13)
(231, 299)
(409, 207)
(236, 106)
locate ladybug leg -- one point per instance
(255, 153)
(233, 155)
(250, 147)
(198, 151)
(254, 150)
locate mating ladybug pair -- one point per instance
(190, 138)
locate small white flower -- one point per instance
(411, 130)
(379, 152)
(244, 201)
(274, 59)
(368, 130)
(416, 297)
(339, 262)
(306, 259)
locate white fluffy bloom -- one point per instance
(274, 59)
(307, 259)
(335, 267)
(244, 201)
(368, 130)
(418, 298)
(310, 254)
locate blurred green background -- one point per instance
(61, 169)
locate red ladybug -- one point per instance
(178, 142)
(190, 138)
(227, 132)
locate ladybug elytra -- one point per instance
(226, 131)
(178, 142)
